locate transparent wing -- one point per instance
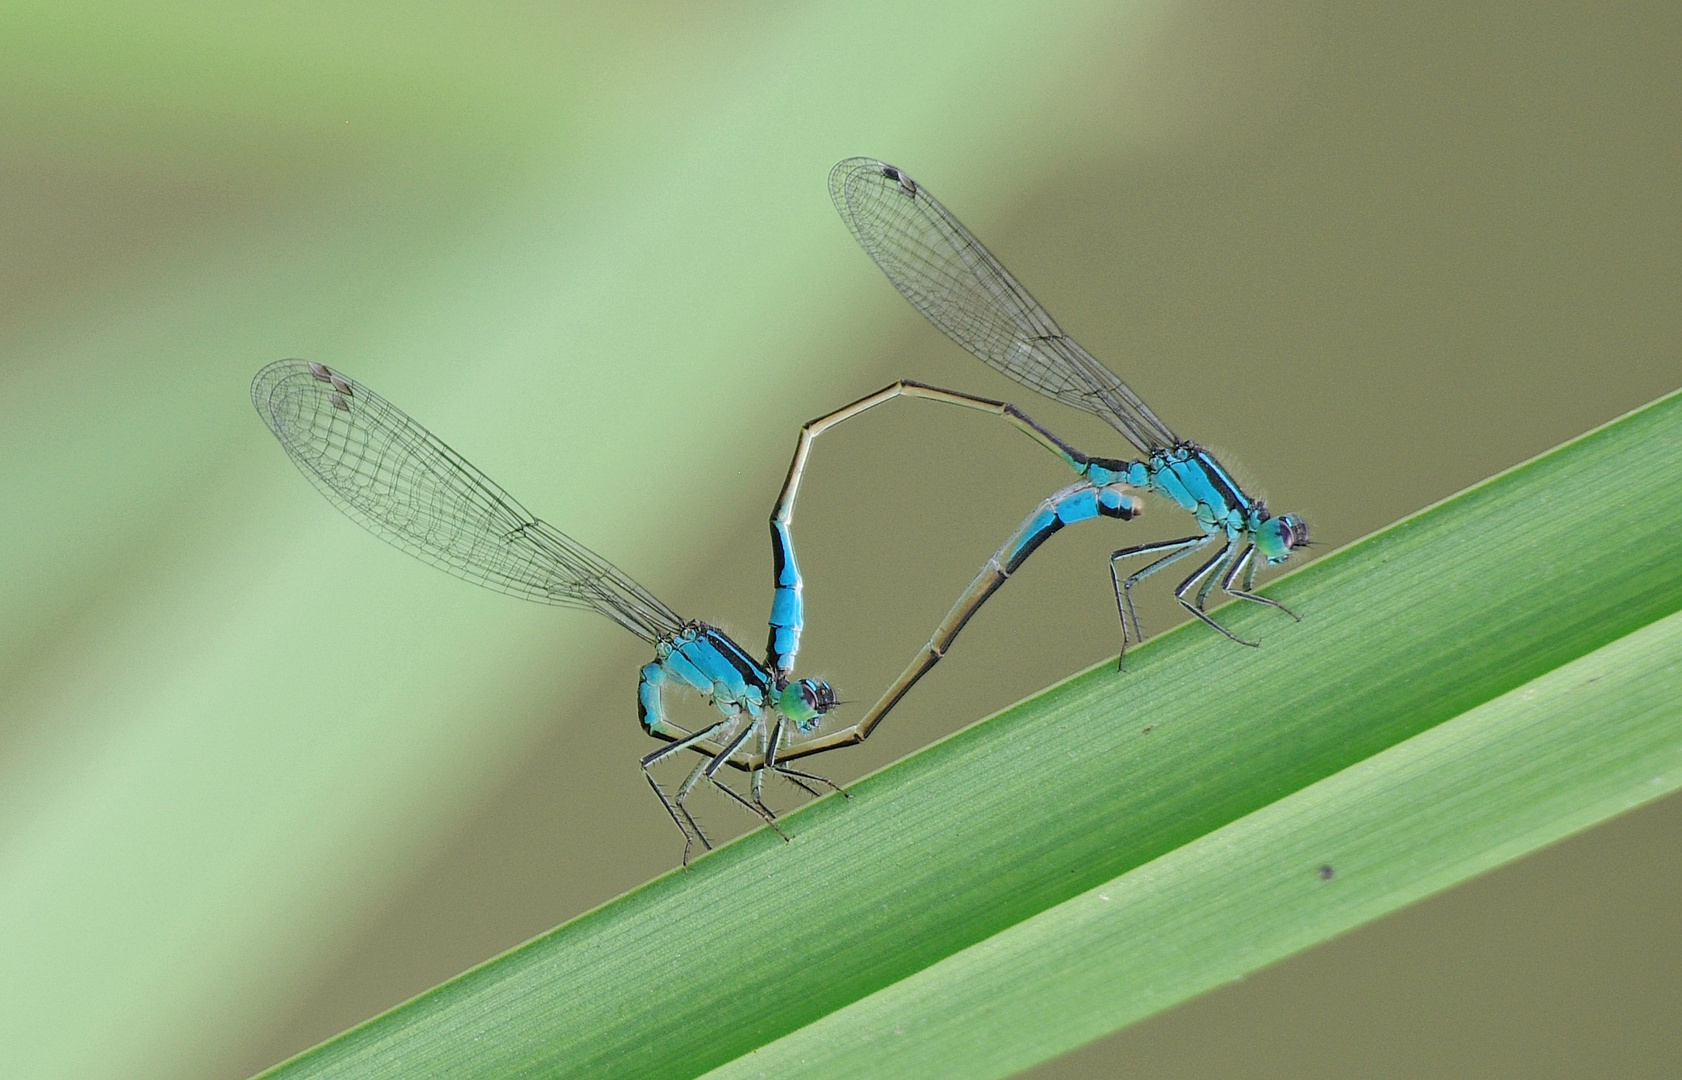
(952, 279)
(404, 485)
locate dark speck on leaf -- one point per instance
(1327, 873)
(1147, 730)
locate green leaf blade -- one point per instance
(1575, 746)
(1082, 784)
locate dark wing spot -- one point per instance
(341, 386)
(906, 184)
(320, 371)
(339, 402)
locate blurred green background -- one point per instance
(262, 777)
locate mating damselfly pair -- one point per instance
(409, 488)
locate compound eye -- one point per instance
(818, 696)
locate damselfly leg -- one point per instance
(1247, 566)
(723, 758)
(681, 817)
(1171, 552)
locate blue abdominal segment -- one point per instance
(1078, 502)
(788, 615)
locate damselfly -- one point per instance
(946, 273)
(404, 485)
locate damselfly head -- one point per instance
(1277, 537)
(805, 702)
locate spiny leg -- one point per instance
(1200, 572)
(790, 775)
(762, 812)
(683, 791)
(680, 814)
(710, 769)
(767, 761)
(1172, 551)
(671, 808)
(795, 776)
(756, 783)
(1232, 553)
(1248, 565)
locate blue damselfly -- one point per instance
(944, 271)
(407, 487)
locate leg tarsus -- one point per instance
(675, 808)
(674, 811)
(1174, 551)
(791, 774)
(710, 768)
(1247, 565)
(1198, 574)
